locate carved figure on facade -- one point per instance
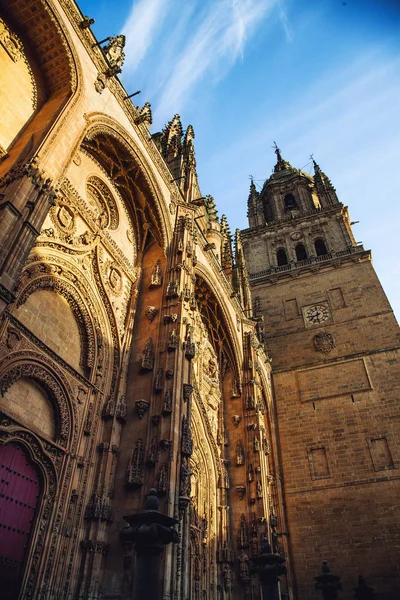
(244, 568)
(187, 392)
(240, 457)
(243, 534)
(114, 52)
(167, 406)
(187, 442)
(224, 482)
(152, 457)
(147, 360)
(150, 312)
(172, 289)
(236, 389)
(141, 406)
(122, 409)
(156, 275)
(185, 485)
(172, 341)
(159, 380)
(135, 472)
(162, 483)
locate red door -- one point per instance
(19, 496)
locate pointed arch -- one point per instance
(77, 305)
(125, 162)
(46, 507)
(29, 365)
(222, 330)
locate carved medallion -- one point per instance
(115, 280)
(66, 218)
(324, 342)
(296, 235)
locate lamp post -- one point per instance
(150, 531)
(328, 583)
(269, 567)
(363, 591)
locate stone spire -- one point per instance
(226, 245)
(172, 137)
(323, 186)
(281, 165)
(211, 208)
(254, 207)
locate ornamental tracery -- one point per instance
(102, 202)
(25, 365)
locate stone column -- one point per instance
(269, 567)
(150, 531)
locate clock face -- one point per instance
(317, 313)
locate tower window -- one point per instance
(281, 257)
(290, 202)
(301, 252)
(320, 247)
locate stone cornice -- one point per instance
(291, 222)
(311, 265)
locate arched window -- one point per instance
(281, 257)
(301, 252)
(320, 247)
(290, 202)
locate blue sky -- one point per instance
(317, 76)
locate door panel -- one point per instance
(19, 496)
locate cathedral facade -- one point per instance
(250, 379)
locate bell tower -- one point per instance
(334, 343)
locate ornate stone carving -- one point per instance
(172, 341)
(162, 482)
(187, 392)
(324, 342)
(224, 482)
(240, 490)
(185, 484)
(190, 344)
(172, 289)
(141, 406)
(236, 419)
(236, 391)
(244, 568)
(114, 52)
(121, 410)
(159, 380)
(156, 275)
(170, 318)
(13, 338)
(243, 534)
(250, 402)
(135, 472)
(167, 406)
(150, 312)
(152, 457)
(147, 360)
(240, 457)
(87, 428)
(186, 442)
(50, 384)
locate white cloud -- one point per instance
(213, 47)
(185, 44)
(146, 17)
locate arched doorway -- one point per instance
(20, 489)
